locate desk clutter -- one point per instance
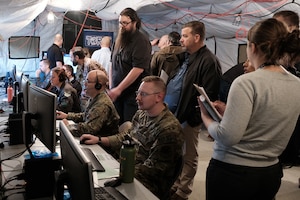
(41, 173)
(33, 159)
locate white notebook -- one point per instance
(207, 104)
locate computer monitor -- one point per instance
(77, 167)
(40, 117)
(22, 97)
(18, 76)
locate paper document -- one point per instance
(109, 173)
(107, 160)
(164, 76)
(207, 104)
(110, 164)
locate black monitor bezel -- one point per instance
(76, 166)
(23, 47)
(42, 114)
(23, 93)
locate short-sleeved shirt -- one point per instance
(137, 53)
(103, 56)
(54, 54)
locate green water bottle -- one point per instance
(127, 161)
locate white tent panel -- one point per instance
(159, 17)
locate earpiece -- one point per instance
(98, 85)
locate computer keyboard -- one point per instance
(108, 193)
(102, 194)
(95, 162)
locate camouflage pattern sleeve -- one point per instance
(76, 117)
(79, 75)
(115, 141)
(160, 146)
(100, 119)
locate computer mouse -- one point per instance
(114, 182)
(82, 141)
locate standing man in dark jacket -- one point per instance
(201, 67)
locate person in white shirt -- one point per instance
(103, 55)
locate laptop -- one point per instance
(79, 173)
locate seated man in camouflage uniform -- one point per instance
(158, 134)
(100, 116)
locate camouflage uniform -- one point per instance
(80, 75)
(100, 118)
(160, 141)
(67, 99)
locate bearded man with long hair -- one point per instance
(131, 57)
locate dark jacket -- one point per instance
(76, 84)
(67, 99)
(204, 70)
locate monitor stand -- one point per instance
(15, 124)
(15, 129)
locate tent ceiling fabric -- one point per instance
(158, 16)
(226, 21)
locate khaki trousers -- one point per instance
(184, 184)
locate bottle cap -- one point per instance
(129, 143)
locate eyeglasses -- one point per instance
(124, 23)
(144, 94)
(88, 81)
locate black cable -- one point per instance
(8, 181)
(13, 178)
(96, 11)
(18, 154)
